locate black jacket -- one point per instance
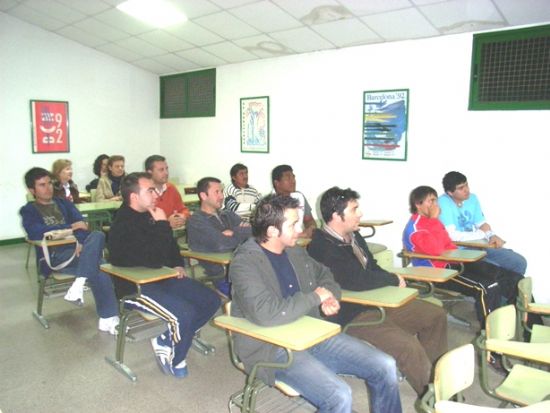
(348, 271)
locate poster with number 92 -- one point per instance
(50, 126)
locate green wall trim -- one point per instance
(12, 241)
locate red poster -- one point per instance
(50, 126)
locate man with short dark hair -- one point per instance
(168, 196)
(464, 220)
(47, 213)
(414, 334)
(284, 183)
(240, 197)
(212, 229)
(275, 283)
(141, 236)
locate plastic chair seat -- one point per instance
(524, 385)
(540, 334)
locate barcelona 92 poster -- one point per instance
(385, 119)
(50, 126)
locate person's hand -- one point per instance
(330, 306)
(496, 242)
(79, 225)
(227, 233)
(158, 214)
(78, 249)
(176, 220)
(323, 294)
(434, 210)
(181, 272)
(402, 282)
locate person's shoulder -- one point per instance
(27, 208)
(247, 248)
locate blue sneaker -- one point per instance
(163, 352)
(180, 371)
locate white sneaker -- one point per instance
(109, 325)
(75, 294)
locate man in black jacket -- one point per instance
(414, 334)
(141, 236)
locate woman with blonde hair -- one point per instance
(63, 185)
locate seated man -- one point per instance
(284, 183)
(168, 197)
(424, 233)
(464, 220)
(47, 213)
(275, 283)
(212, 229)
(416, 333)
(141, 236)
(240, 197)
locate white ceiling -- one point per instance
(229, 31)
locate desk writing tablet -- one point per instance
(53, 242)
(389, 296)
(456, 255)
(298, 335)
(425, 274)
(222, 258)
(140, 275)
(98, 206)
(476, 243)
(374, 222)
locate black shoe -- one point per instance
(496, 365)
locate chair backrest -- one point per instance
(454, 372)
(525, 294)
(453, 407)
(501, 323)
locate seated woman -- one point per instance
(108, 187)
(100, 169)
(63, 185)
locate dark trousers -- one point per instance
(414, 334)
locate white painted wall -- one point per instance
(113, 108)
(316, 121)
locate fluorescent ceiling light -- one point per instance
(158, 13)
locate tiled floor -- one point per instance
(63, 369)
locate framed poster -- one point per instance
(50, 126)
(385, 120)
(255, 124)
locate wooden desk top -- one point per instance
(476, 243)
(222, 258)
(375, 222)
(139, 275)
(98, 206)
(457, 255)
(531, 351)
(298, 335)
(53, 243)
(425, 274)
(381, 297)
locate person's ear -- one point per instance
(203, 196)
(272, 232)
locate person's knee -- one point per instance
(340, 397)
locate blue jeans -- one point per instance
(87, 265)
(507, 258)
(313, 373)
(185, 304)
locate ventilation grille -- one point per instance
(187, 95)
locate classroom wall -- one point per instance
(113, 109)
(316, 121)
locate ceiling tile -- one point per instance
(229, 52)
(462, 15)
(200, 57)
(140, 46)
(123, 21)
(35, 17)
(119, 52)
(152, 66)
(518, 13)
(349, 32)
(263, 46)
(165, 40)
(8, 4)
(194, 34)
(302, 40)
(195, 8)
(424, 2)
(97, 28)
(363, 8)
(176, 62)
(86, 6)
(303, 8)
(266, 17)
(226, 26)
(80, 36)
(400, 24)
(229, 4)
(55, 10)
